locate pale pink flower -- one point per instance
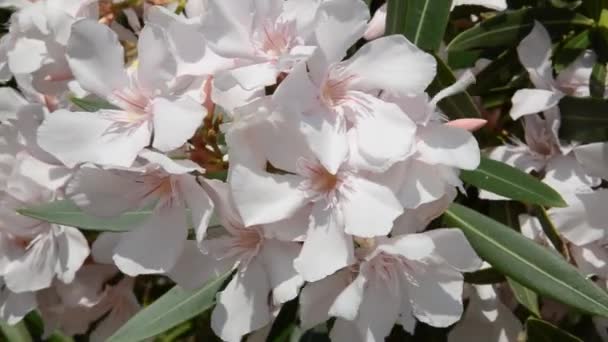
(150, 112)
(163, 185)
(265, 276)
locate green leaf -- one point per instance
(584, 119)
(498, 73)
(526, 262)
(15, 333)
(485, 276)
(525, 296)
(423, 22)
(551, 231)
(540, 331)
(509, 182)
(597, 82)
(456, 106)
(92, 105)
(508, 28)
(174, 307)
(67, 213)
(571, 48)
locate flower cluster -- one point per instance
(289, 144)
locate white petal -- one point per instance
(593, 158)
(10, 102)
(263, 198)
(328, 140)
(254, 76)
(35, 269)
(278, 257)
(79, 137)
(369, 208)
(591, 259)
(326, 248)
(96, 58)
(416, 220)
(535, 55)
(486, 319)
(566, 175)
(342, 23)
(423, 184)
(377, 25)
(378, 311)
(411, 246)
(72, 250)
(242, 307)
(348, 302)
(584, 220)
(576, 76)
(393, 64)
(175, 121)
(228, 26)
(316, 298)
(452, 146)
(102, 249)
(436, 296)
(532, 101)
(386, 136)
(27, 56)
(102, 192)
(155, 245)
(193, 269)
(517, 156)
(453, 247)
(156, 67)
(499, 5)
(199, 203)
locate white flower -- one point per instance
(404, 278)
(155, 244)
(148, 107)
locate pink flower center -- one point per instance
(275, 39)
(319, 183)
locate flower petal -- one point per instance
(593, 158)
(80, 137)
(154, 246)
(242, 306)
(96, 58)
(262, 197)
(278, 257)
(369, 208)
(193, 269)
(535, 55)
(175, 121)
(532, 101)
(316, 298)
(392, 64)
(326, 248)
(447, 145)
(453, 247)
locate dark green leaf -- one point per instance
(567, 4)
(526, 262)
(15, 333)
(91, 105)
(508, 28)
(67, 213)
(485, 276)
(572, 47)
(540, 331)
(174, 307)
(509, 182)
(456, 106)
(551, 231)
(525, 297)
(423, 22)
(597, 82)
(285, 327)
(498, 73)
(584, 119)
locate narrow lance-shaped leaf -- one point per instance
(15, 333)
(526, 262)
(423, 22)
(508, 28)
(525, 296)
(174, 307)
(67, 213)
(457, 106)
(91, 105)
(584, 119)
(509, 182)
(551, 231)
(539, 330)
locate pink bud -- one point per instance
(469, 124)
